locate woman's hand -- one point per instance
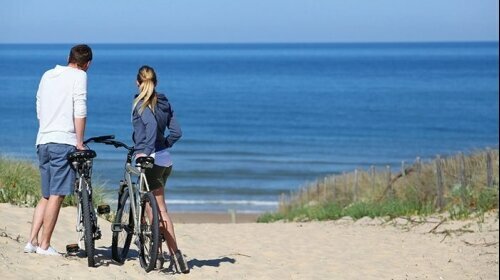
(140, 155)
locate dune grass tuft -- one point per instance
(20, 184)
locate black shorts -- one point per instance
(157, 176)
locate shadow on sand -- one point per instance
(103, 256)
(169, 268)
(213, 262)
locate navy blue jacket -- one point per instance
(149, 128)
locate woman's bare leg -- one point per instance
(166, 225)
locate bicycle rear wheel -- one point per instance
(88, 224)
(149, 236)
(120, 243)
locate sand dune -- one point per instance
(344, 249)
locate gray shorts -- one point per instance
(57, 176)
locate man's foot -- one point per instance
(181, 261)
(49, 252)
(30, 248)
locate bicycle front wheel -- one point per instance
(149, 237)
(88, 224)
(123, 228)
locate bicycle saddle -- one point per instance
(146, 162)
(81, 155)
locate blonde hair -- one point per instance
(146, 77)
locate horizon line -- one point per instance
(253, 43)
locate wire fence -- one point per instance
(440, 181)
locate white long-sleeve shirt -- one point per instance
(61, 97)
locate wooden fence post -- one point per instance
(318, 191)
(304, 195)
(345, 182)
(355, 188)
(418, 163)
(372, 177)
(463, 182)
(403, 170)
(325, 195)
(389, 181)
(489, 169)
(307, 195)
(334, 188)
(439, 183)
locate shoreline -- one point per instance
(201, 217)
(207, 215)
(213, 217)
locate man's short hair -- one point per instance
(80, 54)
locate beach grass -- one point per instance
(20, 184)
(461, 185)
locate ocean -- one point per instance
(262, 119)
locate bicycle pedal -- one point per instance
(72, 248)
(103, 209)
(98, 235)
(116, 227)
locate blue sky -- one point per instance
(198, 21)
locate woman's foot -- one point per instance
(181, 262)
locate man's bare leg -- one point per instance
(37, 222)
(50, 218)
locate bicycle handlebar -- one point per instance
(117, 144)
(99, 139)
(108, 140)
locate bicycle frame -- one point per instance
(143, 217)
(135, 193)
(87, 227)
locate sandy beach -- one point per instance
(404, 248)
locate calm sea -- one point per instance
(261, 119)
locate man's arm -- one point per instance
(38, 99)
(80, 130)
(80, 109)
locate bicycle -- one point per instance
(136, 206)
(86, 221)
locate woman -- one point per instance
(152, 114)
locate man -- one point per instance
(61, 110)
